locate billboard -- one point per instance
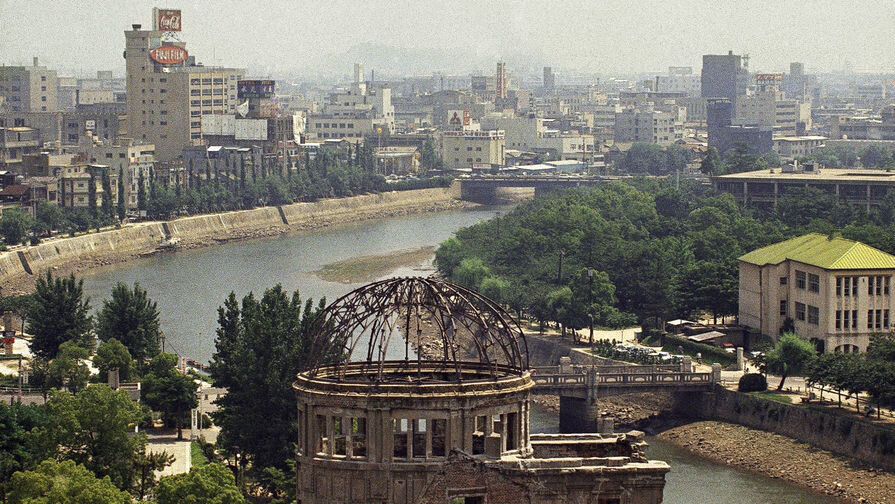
(768, 77)
(251, 129)
(255, 89)
(167, 20)
(90, 125)
(168, 54)
(459, 117)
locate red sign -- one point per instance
(168, 20)
(9, 341)
(168, 55)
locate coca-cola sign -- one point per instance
(168, 54)
(168, 20)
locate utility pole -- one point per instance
(161, 337)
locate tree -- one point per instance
(49, 217)
(260, 345)
(711, 164)
(168, 391)
(107, 208)
(14, 225)
(91, 196)
(208, 484)
(495, 288)
(429, 158)
(792, 355)
(58, 313)
(141, 191)
(644, 158)
(68, 369)
(63, 483)
(874, 156)
(470, 273)
(95, 427)
(18, 451)
(131, 318)
(111, 354)
(122, 205)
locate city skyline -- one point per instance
(460, 38)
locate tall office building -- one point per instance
(549, 79)
(29, 88)
(723, 76)
(501, 80)
(167, 91)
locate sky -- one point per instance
(292, 37)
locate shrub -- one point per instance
(753, 382)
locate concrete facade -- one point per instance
(29, 88)
(837, 309)
(463, 149)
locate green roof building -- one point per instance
(836, 291)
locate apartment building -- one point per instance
(650, 126)
(836, 291)
(129, 159)
(76, 183)
(29, 88)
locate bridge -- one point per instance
(580, 387)
(482, 189)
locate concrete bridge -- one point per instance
(482, 189)
(580, 387)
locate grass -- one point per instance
(369, 268)
(773, 396)
(197, 458)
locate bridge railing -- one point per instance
(613, 369)
(653, 378)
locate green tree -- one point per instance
(131, 318)
(58, 313)
(168, 391)
(49, 217)
(111, 354)
(644, 158)
(260, 345)
(792, 355)
(711, 163)
(122, 205)
(429, 158)
(470, 273)
(91, 196)
(207, 484)
(69, 369)
(448, 256)
(874, 156)
(495, 288)
(63, 483)
(95, 427)
(14, 225)
(141, 191)
(107, 209)
(18, 449)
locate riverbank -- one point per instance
(781, 457)
(76, 254)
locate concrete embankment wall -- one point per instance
(546, 351)
(834, 431)
(141, 238)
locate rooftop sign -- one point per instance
(167, 20)
(168, 54)
(255, 89)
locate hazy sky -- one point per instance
(601, 36)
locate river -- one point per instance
(190, 285)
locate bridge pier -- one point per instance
(478, 193)
(580, 414)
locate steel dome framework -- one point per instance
(352, 337)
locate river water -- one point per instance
(190, 285)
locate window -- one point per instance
(885, 319)
(870, 281)
(846, 319)
(400, 427)
(195, 92)
(886, 285)
(783, 307)
(854, 319)
(813, 315)
(869, 319)
(838, 319)
(322, 436)
(879, 319)
(854, 286)
(478, 436)
(439, 437)
(813, 283)
(800, 311)
(846, 282)
(340, 442)
(783, 280)
(419, 437)
(800, 279)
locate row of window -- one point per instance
(207, 81)
(806, 280)
(845, 285)
(848, 319)
(334, 125)
(813, 313)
